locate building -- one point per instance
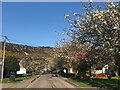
(22, 70)
(101, 72)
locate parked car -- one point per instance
(54, 74)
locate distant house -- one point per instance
(100, 72)
(22, 70)
(71, 71)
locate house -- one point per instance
(71, 71)
(101, 72)
(22, 70)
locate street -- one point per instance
(47, 81)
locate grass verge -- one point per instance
(113, 83)
(17, 79)
(79, 83)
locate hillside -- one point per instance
(33, 53)
(22, 49)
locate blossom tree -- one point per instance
(100, 28)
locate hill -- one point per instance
(28, 50)
(29, 53)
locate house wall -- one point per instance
(21, 71)
(100, 72)
(70, 70)
(105, 68)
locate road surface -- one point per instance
(47, 81)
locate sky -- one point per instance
(58, 0)
(37, 23)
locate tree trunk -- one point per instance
(116, 72)
(119, 71)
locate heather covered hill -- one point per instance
(24, 48)
(29, 55)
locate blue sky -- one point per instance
(36, 24)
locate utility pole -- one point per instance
(3, 57)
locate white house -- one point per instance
(71, 70)
(101, 72)
(22, 70)
(105, 69)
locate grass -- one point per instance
(17, 79)
(115, 77)
(113, 83)
(80, 83)
(104, 82)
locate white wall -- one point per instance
(71, 70)
(98, 71)
(21, 71)
(104, 68)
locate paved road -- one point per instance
(47, 81)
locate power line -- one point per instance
(19, 42)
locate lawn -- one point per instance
(79, 83)
(104, 82)
(113, 83)
(17, 79)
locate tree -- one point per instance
(71, 54)
(100, 28)
(11, 64)
(38, 64)
(60, 63)
(26, 61)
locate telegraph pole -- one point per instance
(3, 57)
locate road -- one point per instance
(47, 81)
